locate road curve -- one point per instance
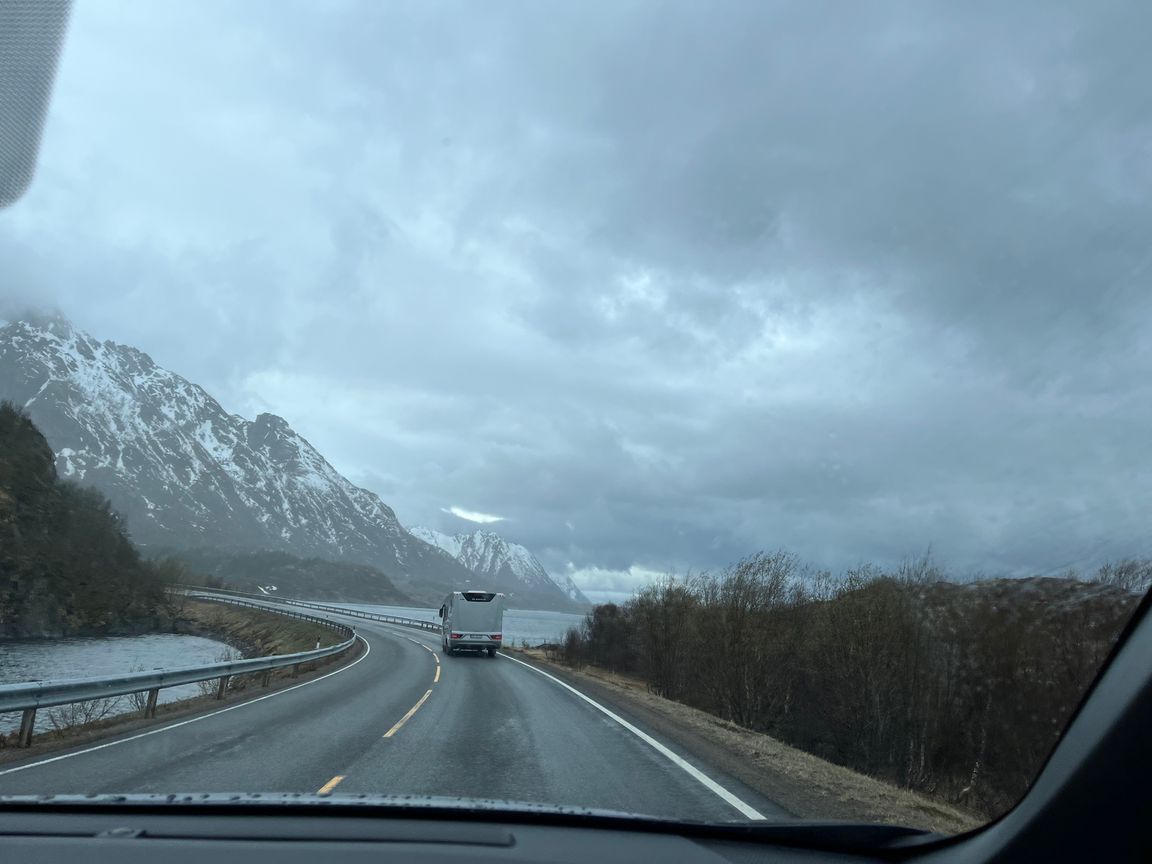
(405, 719)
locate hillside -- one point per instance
(287, 575)
(67, 567)
(186, 474)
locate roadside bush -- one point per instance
(81, 713)
(957, 690)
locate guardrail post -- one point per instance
(27, 722)
(266, 678)
(223, 687)
(150, 708)
(295, 670)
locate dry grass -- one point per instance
(257, 633)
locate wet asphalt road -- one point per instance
(484, 728)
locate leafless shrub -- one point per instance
(225, 655)
(960, 690)
(572, 649)
(1131, 574)
(81, 713)
(139, 700)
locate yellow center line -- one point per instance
(437, 678)
(407, 716)
(331, 784)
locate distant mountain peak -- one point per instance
(489, 555)
(273, 421)
(49, 322)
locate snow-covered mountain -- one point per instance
(187, 474)
(492, 557)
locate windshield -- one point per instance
(731, 411)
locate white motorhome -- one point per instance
(472, 621)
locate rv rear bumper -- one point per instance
(473, 643)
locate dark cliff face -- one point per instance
(186, 474)
(66, 565)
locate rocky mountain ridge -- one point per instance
(491, 556)
(186, 474)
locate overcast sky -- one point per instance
(657, 284)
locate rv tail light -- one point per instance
(457, 635)
(496, 636)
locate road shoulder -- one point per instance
(805, 785)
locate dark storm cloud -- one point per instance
(661, 284)
(983, 167)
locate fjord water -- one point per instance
(93, 657)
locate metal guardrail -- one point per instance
(30, 696)
(211, 596)
(431, 626)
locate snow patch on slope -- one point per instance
(187, 473)
(490, 555)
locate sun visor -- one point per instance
(31, 34)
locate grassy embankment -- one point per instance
(251, 631)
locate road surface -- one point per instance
(405, 719)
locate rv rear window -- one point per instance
(481, 596)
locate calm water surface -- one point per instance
(97, 657)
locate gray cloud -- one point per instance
(662, 284)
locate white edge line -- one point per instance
(694, 772)
(367, 651)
